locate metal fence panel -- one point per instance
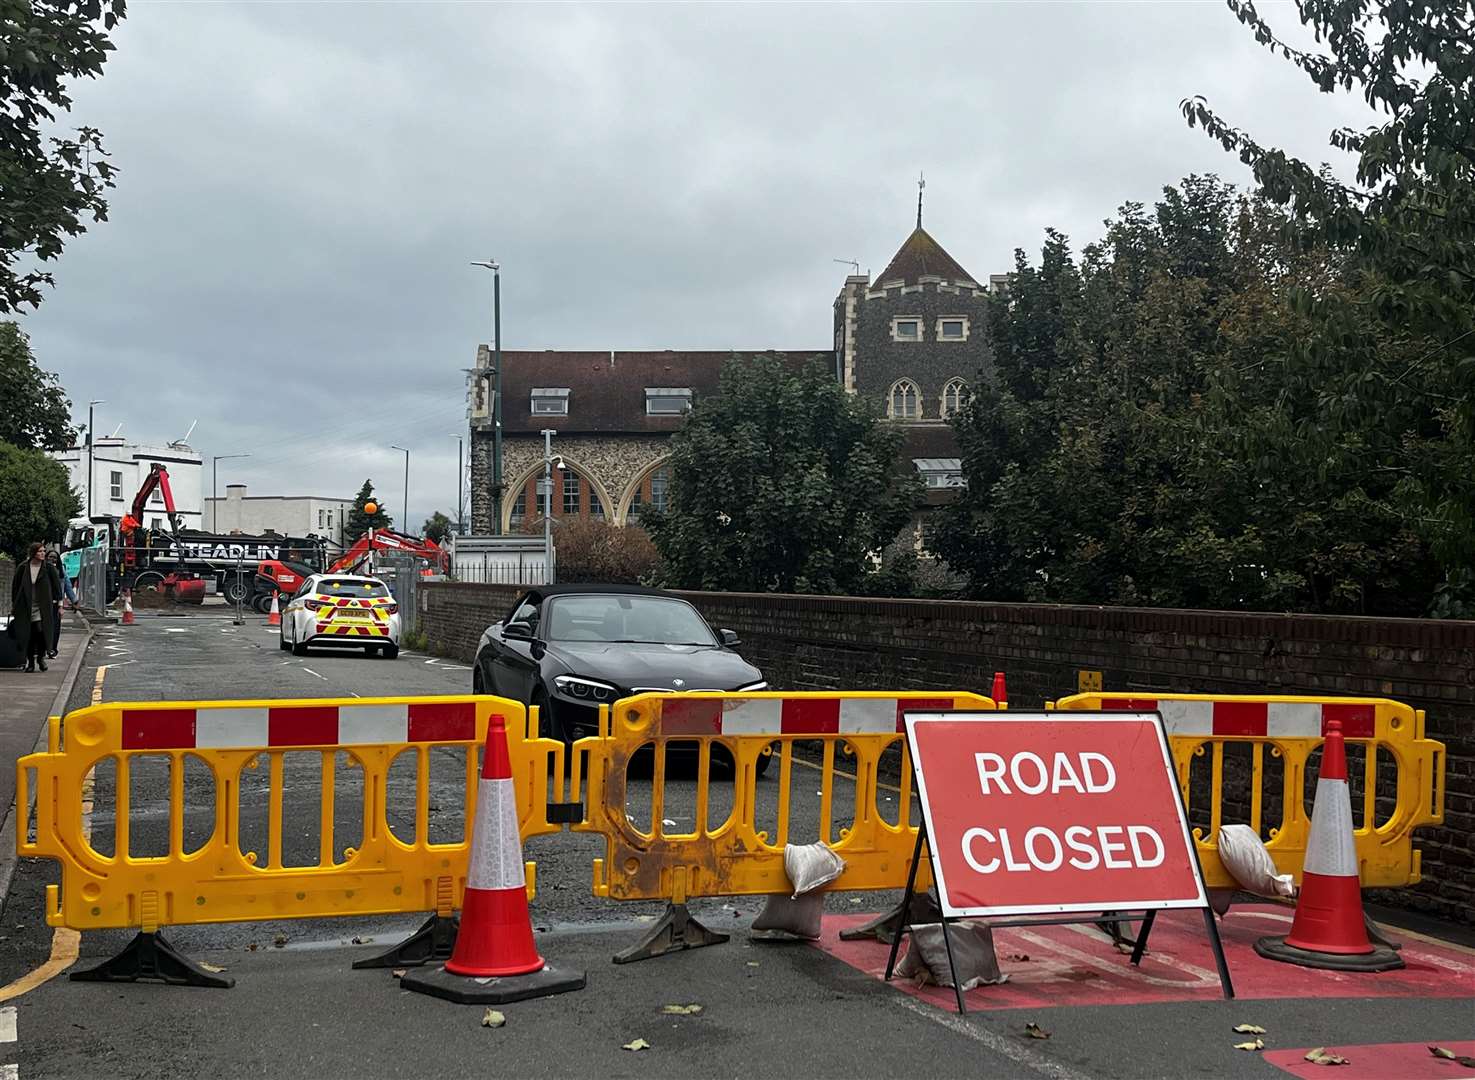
(92, 580)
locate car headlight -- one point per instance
(751, 688)
(584, 689)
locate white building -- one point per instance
(287, 515)
(118, 469)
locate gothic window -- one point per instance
(652, 491)
(520, 507)
(954, 397)
(905, 401)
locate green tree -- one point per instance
(34, 410)
(359, 520)
(437, 527)
(37, 496)
(1384, 386)
(48, 185)
(781, 483)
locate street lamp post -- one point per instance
(405, 522)
(545, 488)
(460, 502)
(215, 487)
(91, 454)
(496, 270)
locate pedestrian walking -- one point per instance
(32, 593)
(63, 587)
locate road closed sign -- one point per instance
(1029, 813)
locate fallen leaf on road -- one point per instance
(1021, 957)
(493, 1018)
(1322, 1056)
(1034, 1031)
(398, 973)
(1258, 1044)
(752, 963)
(855, 899)
(1441, 1052)
(1122, 946)
(681, 1010)
(212, 967)
(363, 941)
(279, 940)
(638, 1044)
(1248, 1029)
(667, 821)
(251, 947)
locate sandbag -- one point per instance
(1244, 855)
(785, 918)
(926, 957)
(811, 866)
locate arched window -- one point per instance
(905, 401)
(954, 397)
(652, 492)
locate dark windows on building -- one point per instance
(905, 401)
(115, 484)
(572, 492)
(940, 472)
(520, 507)
(667, 400)
(954, 397)
(550, 401)
(906, 328)
(952, 328)
(653, 492)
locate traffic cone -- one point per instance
(1000, 692)
(1330, 930)
(127, 607)
(495, 960)
(275, 617)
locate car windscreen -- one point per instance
(337, 586)
(613, 618)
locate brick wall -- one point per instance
(823, 643)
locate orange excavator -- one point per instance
(359, 559)
(183, 584)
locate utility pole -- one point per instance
(91, 454)
(215, 488)
(496, 269)
(460, 503)
(545, 488)
(405, 521)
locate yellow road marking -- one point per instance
(849, 776)
(66, 943)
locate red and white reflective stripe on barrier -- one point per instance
(229, 727)
(496, 845)
(1281, 719)
(792, 716)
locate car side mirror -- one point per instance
(729, 638)
(517, 631)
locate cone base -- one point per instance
(465, 990)
(1380, 959)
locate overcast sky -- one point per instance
(303, 185)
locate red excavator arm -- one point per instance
(182, 582)
(389, 540)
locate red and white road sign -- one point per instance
(1030, 813)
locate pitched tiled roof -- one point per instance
(606, 390)
(921, 256)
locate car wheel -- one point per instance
(237, 590)
(261, 602)
(149, 581)
(299, 648)
(762, 765)
(390, 652)
(477, 685)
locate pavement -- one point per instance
(793, 1009)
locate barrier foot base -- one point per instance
(675, 931)
(1112, 928)
(150, 956)
(1381, 958)
(465, 990)
(924, 909)
(433, 942)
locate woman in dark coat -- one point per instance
(33, 590)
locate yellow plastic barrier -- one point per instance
(1289, 728)
(728, 853)
(356, 741)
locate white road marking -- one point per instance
(10, 1072)
(176, 629)
(999, 1044)
(431, 660)
(7, 1024)
(310, 671)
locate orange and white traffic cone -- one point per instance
(1330, 930)
(275, 617)
(495, 960)
(127, 607)
(1000, 692)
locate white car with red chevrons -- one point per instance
(342, 610)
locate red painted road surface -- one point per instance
(1077, 965)
(1407, 1061)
